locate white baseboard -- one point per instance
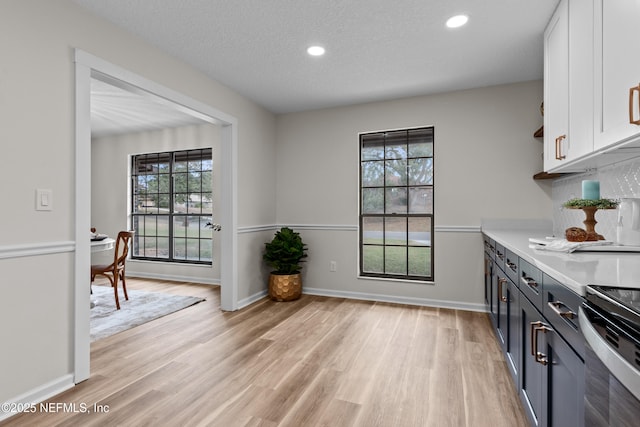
(396, 299)
(251, 299)
(457, 305)
(174, 278)
(39, 394)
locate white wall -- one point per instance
(110, 189)
(37, 41)
(485, 157)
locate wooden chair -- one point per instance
(116, 270)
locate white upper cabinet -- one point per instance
(556, 88)
(568, 84)
(617, 72)
(592, 84)
(580, 77)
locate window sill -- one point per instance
(387, 279)
(144, 261)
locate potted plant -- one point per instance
(284, 254)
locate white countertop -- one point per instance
(575, 270)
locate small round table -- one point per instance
(99, 246)
(103, 245)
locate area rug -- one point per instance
(142, 307)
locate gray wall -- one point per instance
(37, 107)
(485, 157)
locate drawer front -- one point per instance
(511, 266)
(490, 247)
(560, 307)
(530, 283)
(500, 255)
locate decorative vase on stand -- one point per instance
(590, 223)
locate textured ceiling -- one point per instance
(376, 49)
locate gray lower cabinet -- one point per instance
(493, 305)
(488, 272)
(531, 372)
(565, 382)
(535, 321)
(552, 375)
(566, 355)
(508, 325)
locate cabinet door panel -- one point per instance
(502, 302)
(508, 322)
(617, 70)
(556, 88)
(487, 280)
(493, 308)
(565, 379)
(580, 78)
(531, 372)
(513, 331)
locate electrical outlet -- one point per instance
(333, 266)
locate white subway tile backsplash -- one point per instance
(616, 181)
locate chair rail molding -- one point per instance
(37, 248)
(350, 227)
(457, 229)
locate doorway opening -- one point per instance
(89, 67)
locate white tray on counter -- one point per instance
(599, 246)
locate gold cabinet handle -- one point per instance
(631, 90)
(556, 307)
(536, 327)
(528, 281)
(559, 155)
(532, 336)
(501, 281)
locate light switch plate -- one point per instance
(44, 199)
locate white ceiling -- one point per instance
(376, 49)
(116, 109)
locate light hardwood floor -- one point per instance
(314, 362)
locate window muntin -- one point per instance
(396, 204)
(172, 206)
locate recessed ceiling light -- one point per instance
(457, 21)
(315, 50)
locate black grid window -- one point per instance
(172, 206)
(396, 204)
